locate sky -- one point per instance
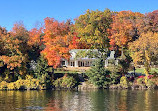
(33, 12)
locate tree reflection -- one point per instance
(93, 100)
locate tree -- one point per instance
(144, 50)
(98, 75)
(124, 29)
(149, 22)
(35, 43)
(35, 37)
(43, 72)
(15, 48)
(92, 28)
(3, 33)
(75, 41)
(57, 40)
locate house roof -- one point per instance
(73, 53)
(77, 50)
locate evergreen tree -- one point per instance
(43, 71)
(98, 75)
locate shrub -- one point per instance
(155, 74)
(3, 85)
(1, 78)
(114, 74)
(68, 82)
(11, 86)
(124, 82)
(65, 82)
(146, 81)
(150, 84)
(21, 84)
(155, 80)
(58, 83)
(140, 81)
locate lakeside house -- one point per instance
(86, 61)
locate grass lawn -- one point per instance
(71, 70)
(63, 72)
(138, 70)
(141, 70)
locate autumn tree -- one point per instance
(144, 50)
(3, 33)
(124, 29)
(57, 40)
(92, 28)
(35, 43)
(15, 48)
(75, 42)
(149, 22)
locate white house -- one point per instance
(85, 61)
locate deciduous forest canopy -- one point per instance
(130, 33)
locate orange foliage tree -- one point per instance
(124, 28)
(35, 43)
(57, 41)
(15, 48)
(35, 37)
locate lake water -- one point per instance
(95, 100)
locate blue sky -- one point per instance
(33, 11)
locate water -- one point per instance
(96, 100)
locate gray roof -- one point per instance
(77, 50)
(73, 53)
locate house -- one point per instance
(85, 61)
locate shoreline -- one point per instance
(83, 88)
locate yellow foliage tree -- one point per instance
(144, 49)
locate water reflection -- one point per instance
(96, 100)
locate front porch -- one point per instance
(80, 63)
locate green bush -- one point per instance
(57, 83)
(65, 82)
(68, 82)
(114, 74)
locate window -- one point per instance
(63, 63)
(83, 64)
(79, 65)
(72, 63)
